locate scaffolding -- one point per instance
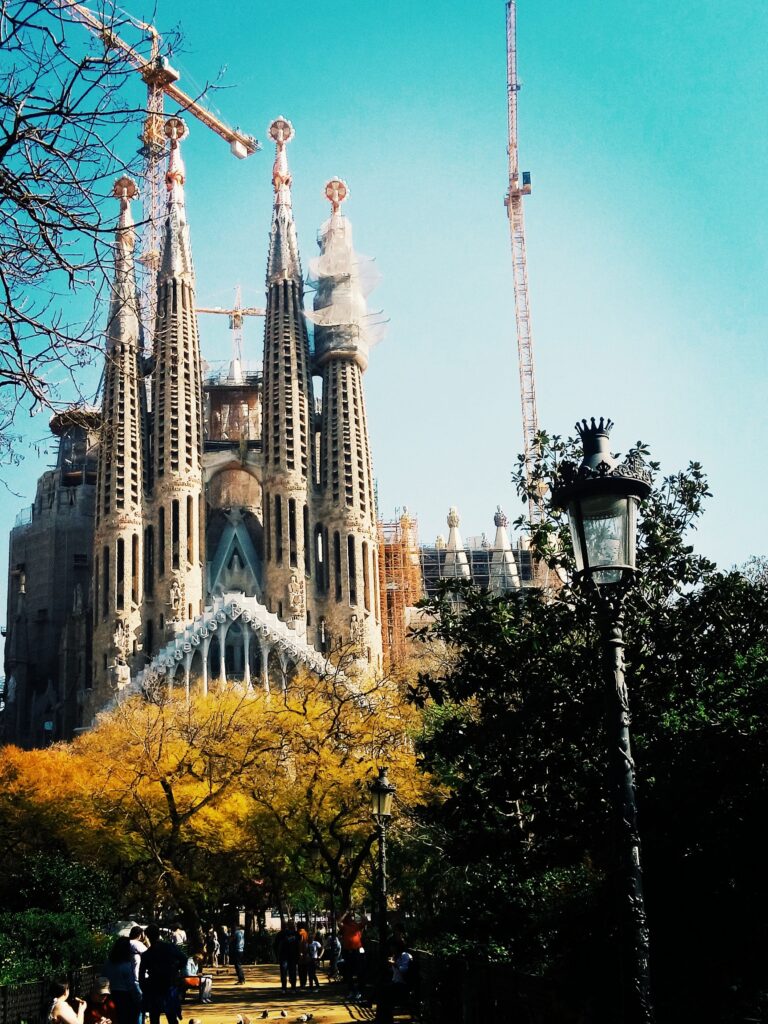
(400, 583)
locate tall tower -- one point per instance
(288, 427)
(118, 540)
(175, 521)
(346, 529)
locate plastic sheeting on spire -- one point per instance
(342, 279)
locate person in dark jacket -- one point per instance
(287, 943)
(160, 973)
(119, 972)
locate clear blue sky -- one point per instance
(644, 127)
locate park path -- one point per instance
(261, 991)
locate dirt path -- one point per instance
(262, 992)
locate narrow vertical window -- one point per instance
(268, 527)
(96, 590)
(366, 577)
(149, 638)
(327, 561)
(105, 583)
(120, 575)
(161, 542)
(149, 561)
(337, 564)
(292, 552)
(135, 568)
(175, 532)
(351, 569)
(190, 532)
(278, 529)
(319, 559)
(307, 548)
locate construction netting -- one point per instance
(342, 280)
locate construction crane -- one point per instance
(235, 315)
(519, 187)
(160, 79)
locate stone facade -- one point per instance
(235, 535)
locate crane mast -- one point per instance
(514, 204)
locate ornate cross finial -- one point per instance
(500, 518)
(281, 130)
(336, 192)
(125, 189)
(175, 131)
(453, 517)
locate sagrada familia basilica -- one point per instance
(205, 531)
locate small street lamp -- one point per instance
(382, 793)
(601, 498)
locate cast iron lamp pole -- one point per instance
(382, 792)
(601, 497)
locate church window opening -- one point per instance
(135, 568)
(337, 564)
(175, 532)
(307, 550)
(292, 552)
(105, 583)
(149, 560)
(120, 574)
(268, 526)
(148, 638)
(96, 590)
(190, 531)
(161, 542)
(351, 569)
(366, 578)
(278, 529)
(319, 560)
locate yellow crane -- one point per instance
(160, 79)
(235, 315)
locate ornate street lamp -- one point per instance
(382, 793)
(601, 497)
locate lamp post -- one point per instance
(601, 498)
(382, 792)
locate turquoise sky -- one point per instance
(643, 124)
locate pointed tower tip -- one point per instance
(336, 191)
(175, 176)
(124, 190)
(281, 130)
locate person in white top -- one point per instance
(61, 1012)
(138, 946)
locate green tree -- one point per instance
(515, 732)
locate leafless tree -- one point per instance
(67, 107)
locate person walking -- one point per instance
(287, 943)
(119, 970)
(352, 951)
(223, 934)
(303, 935)
(162, 967)
(314, 949)
(237, 952)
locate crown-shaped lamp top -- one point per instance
(595, 439)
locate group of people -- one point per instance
(299, 957)
(146, 976)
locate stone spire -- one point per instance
(174, 575)
(118, 542)
(346, 509)
(504, 575)
(288, 410)
(455, 563)
(284, 262)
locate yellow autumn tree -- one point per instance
(314, 808)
